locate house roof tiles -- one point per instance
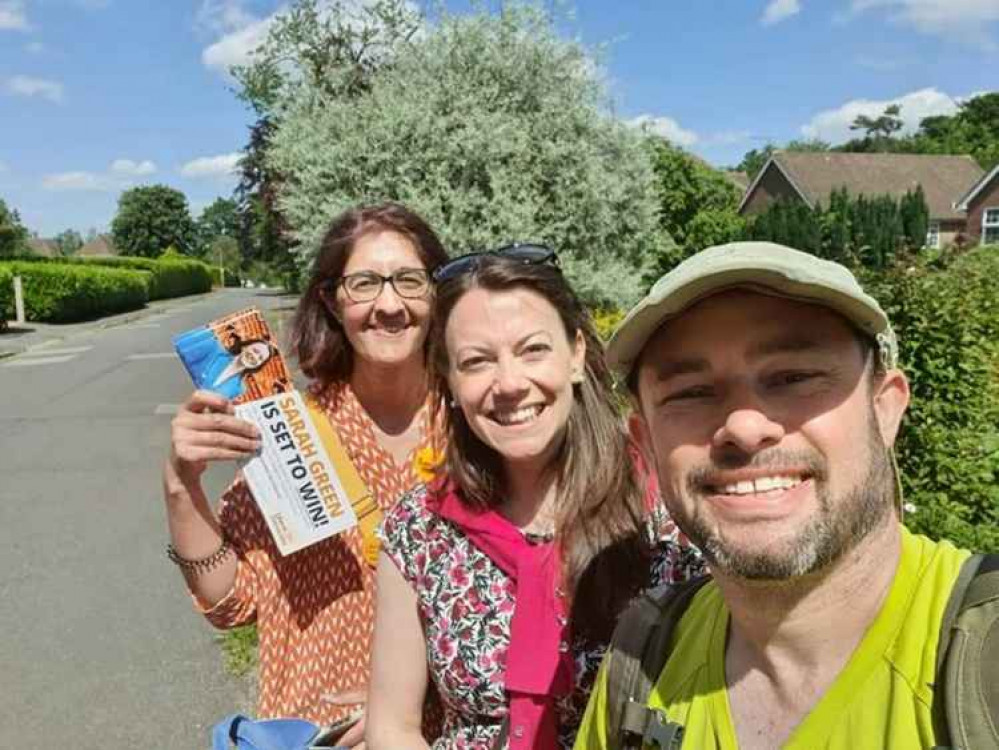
(944, 179)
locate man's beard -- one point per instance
(836, 528)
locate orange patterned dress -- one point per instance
(315, 608)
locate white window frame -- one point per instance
(988, 225)
(933, 234)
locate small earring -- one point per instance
(577, 377)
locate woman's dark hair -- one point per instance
(600, 502)
(317, 338)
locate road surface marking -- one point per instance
(43, 351)
(36, 360)
(153, 355)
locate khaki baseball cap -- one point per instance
(763, 266)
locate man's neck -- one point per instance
(392, 395)
(788, 642)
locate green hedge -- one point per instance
(64, 293)
(6, 296)
(946, 313)
(175, 276)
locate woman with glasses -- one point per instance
(360, 334)
(499, 584)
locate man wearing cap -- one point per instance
(767, 393)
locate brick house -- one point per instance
(981, 205)
(812, 176)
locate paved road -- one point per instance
(99, 645)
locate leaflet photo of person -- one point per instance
(218, 368)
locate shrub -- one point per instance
(64, 293)
(176, 278)
(167, 276)
(605, 320)
(946, 314)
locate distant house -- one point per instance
(812, 176)
(44, 248)
(981, 205)
(100, 246)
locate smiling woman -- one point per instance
(502, 581)
(360, 333)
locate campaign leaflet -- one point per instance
(301, 478)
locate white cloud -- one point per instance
(665, 127)
(129, 168)
(223, 16)
(779, 10)
(4, 167)
(27, 86)
(12, 16)
(833, 125)
(237, 47)
(82, 181)
(964, 20)
(117, 176)
(221, 166)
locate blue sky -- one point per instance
(100, 95)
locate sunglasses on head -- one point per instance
(527, 253)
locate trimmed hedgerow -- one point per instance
(170, 276)
(64, 293)
(946, 313)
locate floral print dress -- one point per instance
(466, 602)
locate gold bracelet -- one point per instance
(205, 564)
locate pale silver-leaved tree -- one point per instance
(493, 127)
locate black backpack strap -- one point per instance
(637, 655)
(966, 698)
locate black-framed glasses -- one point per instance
(365, 286)
(525, 252)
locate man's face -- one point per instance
(769, 432)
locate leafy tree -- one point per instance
(808, 144)
(12, 232)
(68, 242)
(152, 218)
(263, 233)
(884, 125)
(224, 252)
(494, 129)
(219, 219)
(713, 226)
(686, 187)
(332, 48)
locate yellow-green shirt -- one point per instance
(882, 698)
